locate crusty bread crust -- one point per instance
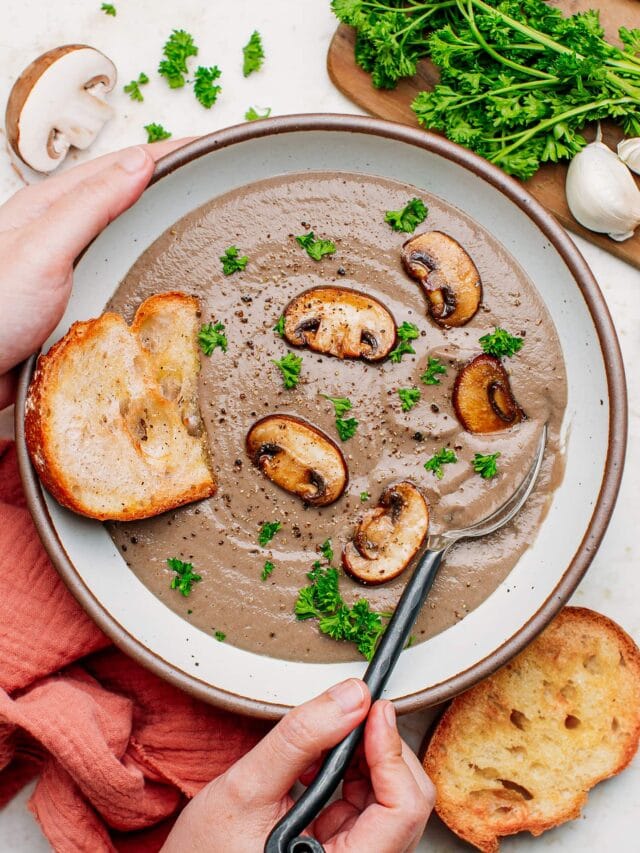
(520, 750)
(46, 396)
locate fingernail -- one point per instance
(390, 714)
(133, 160)
(349, 695)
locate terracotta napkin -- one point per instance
(118, 751)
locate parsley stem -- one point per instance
(514, 87)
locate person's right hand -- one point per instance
(386, 796)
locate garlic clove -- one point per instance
(601, 192)
(629, 153)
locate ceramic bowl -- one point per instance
(594, 425)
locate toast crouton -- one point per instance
(112, 422)
(520, 750)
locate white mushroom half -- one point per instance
(59, 102)
(388, 536)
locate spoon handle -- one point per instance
(285, 836)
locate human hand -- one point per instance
(386, 796)
(43, 228)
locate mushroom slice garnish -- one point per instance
(299, 458)
(58, 101)
(387, 536)
(482, 396)
(341, 322)
(448, 275)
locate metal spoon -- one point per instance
(285, 837)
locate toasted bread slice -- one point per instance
(521, 750)
(112, 421)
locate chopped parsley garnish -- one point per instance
(253, 54)
(442, 457)
(185, 576)
(232, 262)
(346, 426)
(327, 551)
(210, 337)
(434, 369)
(156, 132)
(408, 398)
(279, 326)
(501, 344)
(486, 466)
(321, 600)
(133, 89)
(268, 531)
(406, 332)
(203, 86)
(253, 114)
(266, 570)
(108, 9)
(178, 48)
(290, 366)
(316, 249)
(407, 219)
(220, 636)
(364, 497)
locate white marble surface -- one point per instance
(294, 79)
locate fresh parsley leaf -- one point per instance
(434, 369)
(268, 531)
(321, 600)
(346, 426)
(290, 366)
(486, 466)
(133, 88)
(203, 87)
(501, 344)
(442, 457)
(327, 551)
(341, 405)
(253, 54)
(364, 497)
(316, 249)
(231, 260)
(407, 219)
(267, 570)
(108, 9)
(253, 114)
(210, 337)
(409, 398)
(279, 326)
(220, 636)
(185, 576)
(156, 132)
(177, 49)
(406, 332)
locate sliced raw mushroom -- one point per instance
(58, 101)
(299, 458)
(449, 277)
(482, 396)
(340, 321)
(388, 536)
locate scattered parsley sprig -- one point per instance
(316, 249)
(231, 260)
(289, 366)
(268, 531)
(434, 369)
(253, 114)
(177, 50)
(211, 336)
(279, 326)
(133, 88)
(346, 426)
(486, 465)
(185, 576)
(203, 85)
(442, 457)
(406, 332)
(108, 9)
(409, 397)
(407, 219)
(156, 132)
(267, 570)
(253, 54)
(501, 344)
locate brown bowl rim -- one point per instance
(615, 375)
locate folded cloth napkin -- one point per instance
(118, 751)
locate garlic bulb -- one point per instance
(601, 192)
(629, 153)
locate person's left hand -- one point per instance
(43, 228)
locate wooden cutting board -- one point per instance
(547, 185)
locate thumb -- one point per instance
(270, 770)
(71, 222)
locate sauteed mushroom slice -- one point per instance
(341, 322)
(299, 458)
(482, 396)
(448, 275)
(388, 536)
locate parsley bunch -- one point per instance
(518, 79)
(321, 600)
